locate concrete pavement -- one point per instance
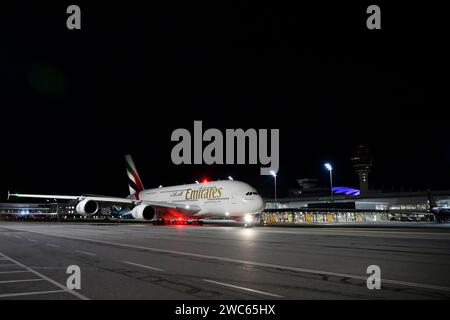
(140, 261)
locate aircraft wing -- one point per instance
(162, 206)
(79, 198)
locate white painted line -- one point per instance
(48, 268)
(32, 240)
(142, 266)
(29, 293)
(253, 263)
(351, 232)
(52, 245)
(25, 280)
(416, 285)
(18, 237)
(85, 252)
(17, 271)
(7, 265)
(243, 288)
(76, 294)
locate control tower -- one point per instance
(362, 163)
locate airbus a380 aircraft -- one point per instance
(234, 199)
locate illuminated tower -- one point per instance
(362, 163)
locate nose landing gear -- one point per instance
(248, 221)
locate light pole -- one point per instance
(329, 167)
(273, 173)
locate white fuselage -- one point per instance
(215, 198)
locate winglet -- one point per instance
(9, 195)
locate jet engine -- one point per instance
(143, 212)
(87, 207)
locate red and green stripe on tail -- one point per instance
(134, 181)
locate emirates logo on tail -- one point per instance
(134, 181)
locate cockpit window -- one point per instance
(251, 193)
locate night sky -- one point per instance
(74, 102)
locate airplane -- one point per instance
(228, 198)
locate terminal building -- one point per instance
(312, 203)
(376, 206)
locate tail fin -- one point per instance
(134, 181)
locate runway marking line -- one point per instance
(17, 271)
(253, 263)
(32, 240)
(8, 265)
(24, 280)
(86, 253)
(48, 268)
(142, 266)
(9, 295)
(244, 288)
(40, 275)
(367, 231)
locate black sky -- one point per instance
(74, 102)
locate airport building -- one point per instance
(405, 201)
(372, 206)
(362, 164)
(312, 202)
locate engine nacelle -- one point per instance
(143, 212)
(87, 207)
